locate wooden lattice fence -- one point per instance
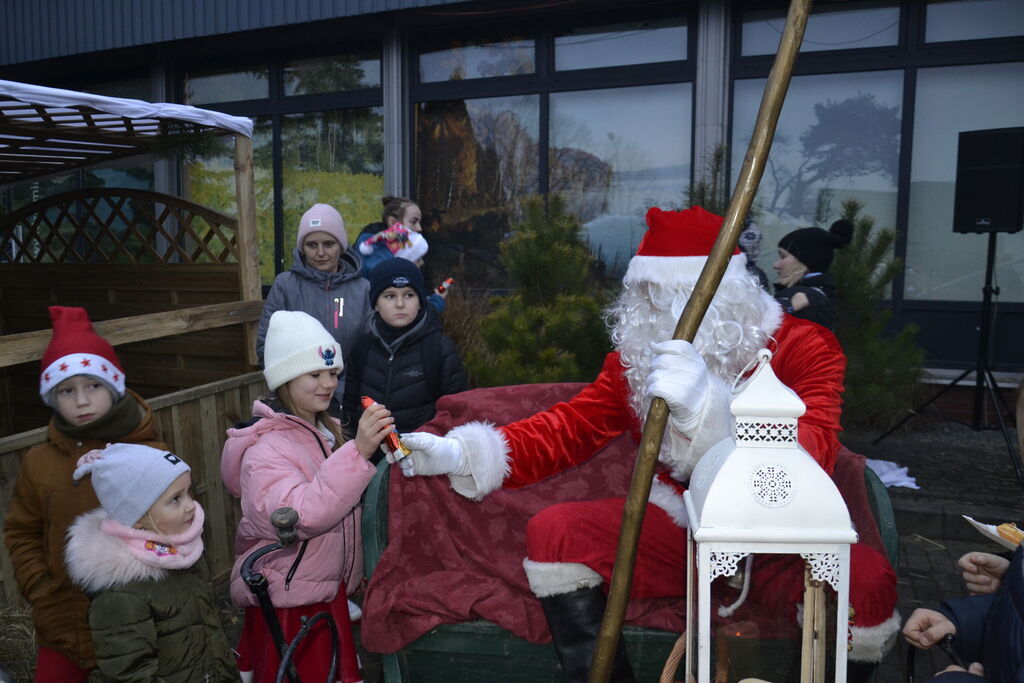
(119, 253)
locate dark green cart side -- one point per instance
(480, 651)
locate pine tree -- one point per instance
(883, 369)
(551, 328)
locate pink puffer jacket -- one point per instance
(282, 460)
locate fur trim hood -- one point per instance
(97, 561)
(102, 553)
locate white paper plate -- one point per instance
(989, 531)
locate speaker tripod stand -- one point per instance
(985, 382)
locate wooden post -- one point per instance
(807, 642)
(657, 416)
(247, 239)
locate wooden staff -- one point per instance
(689, 322)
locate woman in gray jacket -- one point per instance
(325, 281)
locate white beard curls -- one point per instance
(728, 338)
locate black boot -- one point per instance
(860, 672)
(574, 619)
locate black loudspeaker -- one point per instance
(989, 181)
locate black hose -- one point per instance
(307, 624)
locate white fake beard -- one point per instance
(728, 338)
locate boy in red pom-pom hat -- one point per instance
(83, 381)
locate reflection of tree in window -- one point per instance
(347, 141)
(853, 137)
(509, 153)
(460, 61)
(335, 74)
(583, 177)
(446, 156)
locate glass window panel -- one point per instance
(479, 60)
(940, 264)
(331, 74)
(210, 181)
(973, 19)
(476, 160)
(227, 86)
(633, 43)
(336, 158)
(855, 25)
(132, 88)
(610, 170)
(838, 137)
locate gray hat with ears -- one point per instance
(128, 478)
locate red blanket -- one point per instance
(450, 559)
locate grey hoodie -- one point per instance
(339, 300)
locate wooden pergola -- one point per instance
(174, 286)
(48, 131)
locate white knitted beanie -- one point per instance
(296, 344)
(128, 478)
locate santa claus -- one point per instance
(571, 546)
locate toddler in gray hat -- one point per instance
(137, 556)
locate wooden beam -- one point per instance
(245, 235)
(29, 346)
(696, 305)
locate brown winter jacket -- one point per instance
(43, 506)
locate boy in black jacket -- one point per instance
(405, 361)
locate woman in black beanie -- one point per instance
(803, 285)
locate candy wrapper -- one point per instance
(392, 444)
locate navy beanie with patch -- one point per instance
(397, 272)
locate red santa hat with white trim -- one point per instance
(676, 246)
(76, 349)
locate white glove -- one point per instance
(680, 377)
(433, 455)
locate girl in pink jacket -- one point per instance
(293, 454)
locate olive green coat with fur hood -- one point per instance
(44, 504)
(153, 617)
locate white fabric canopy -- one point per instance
(45, 131)
(56, 99)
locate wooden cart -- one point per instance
(481, 651)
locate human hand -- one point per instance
(374, 424)
(983, 572)
(680, 377)
(925, 627)
(799, 301)
(433, 455)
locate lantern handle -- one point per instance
(763, 357)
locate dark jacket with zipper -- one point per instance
(339, 300)
(406, 370)
(820, 291)
(990, 629)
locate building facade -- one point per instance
(472, 108)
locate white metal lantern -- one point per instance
(759, 492)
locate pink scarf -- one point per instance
(179, 551)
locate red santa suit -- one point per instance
(572, 545)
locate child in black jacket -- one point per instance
(405, 361)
